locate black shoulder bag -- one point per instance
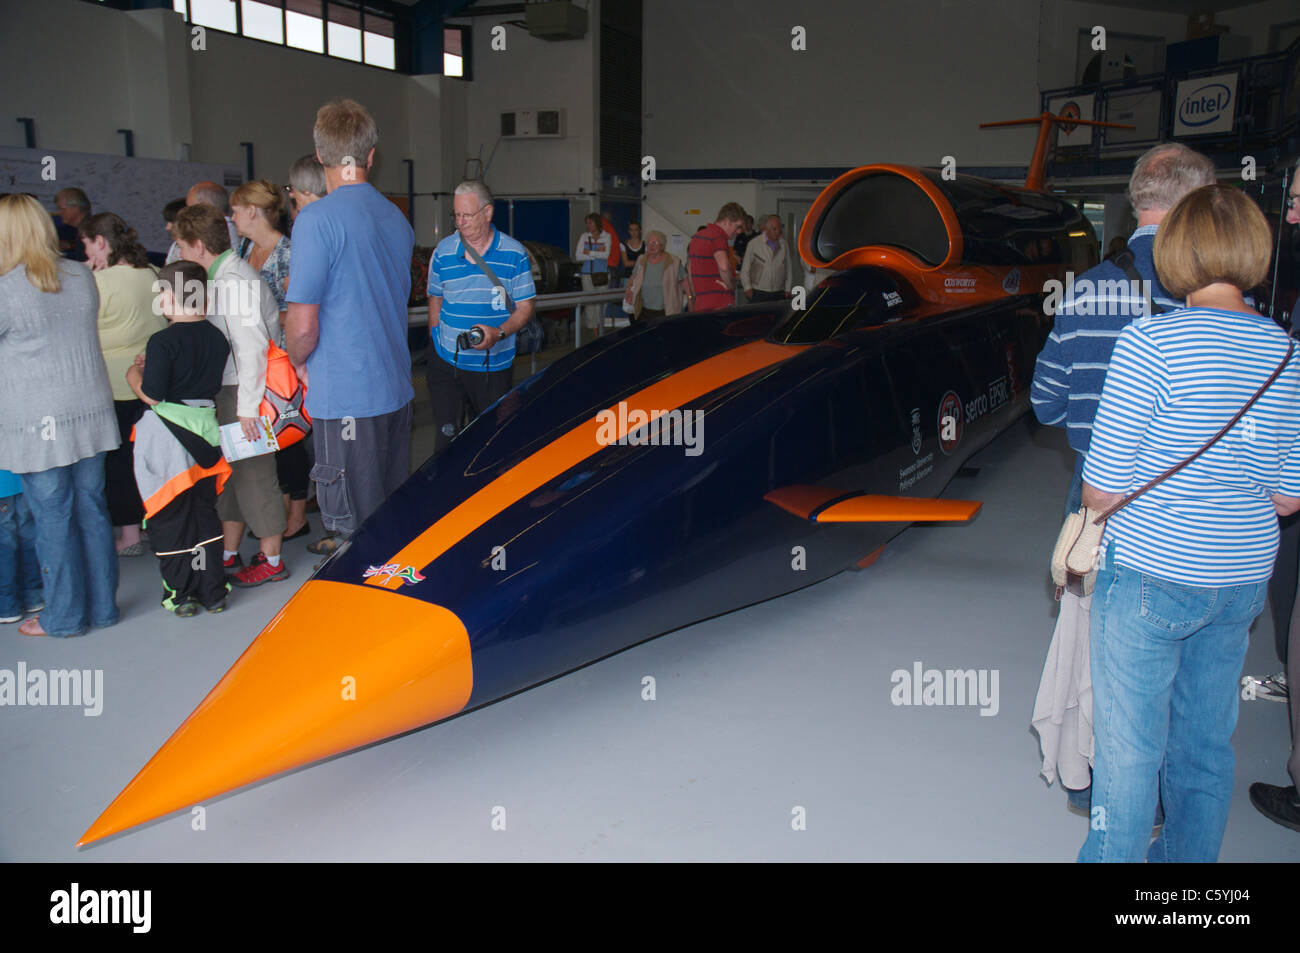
(528, 339)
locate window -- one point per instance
(453, 54)
(347, 30)
(263, 21)
(380, 48)
(456, 51)
(217, 14)
(344, 34)
(303, 25)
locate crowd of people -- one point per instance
(120, 375)
(122, 372)
(1145, 377)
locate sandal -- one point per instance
(32, 627)
(324, 546)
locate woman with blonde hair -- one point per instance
(656, 286)
(56, 418)
(1185, 564)
(127, 320)
(257, 208)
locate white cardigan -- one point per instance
(242, 307)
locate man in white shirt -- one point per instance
(766, 273)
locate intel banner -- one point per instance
(1205, 105)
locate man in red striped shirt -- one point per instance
(713, 279)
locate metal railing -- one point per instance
(1265, 121)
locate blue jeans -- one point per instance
(20, 573)
(1165, 662)
(74, 541)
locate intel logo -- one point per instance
(1205, 105)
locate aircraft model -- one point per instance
(677, 469)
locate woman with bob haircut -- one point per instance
(56, 418)
(1184, 568)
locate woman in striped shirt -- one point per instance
(1184, 568)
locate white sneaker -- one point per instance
(6, 619)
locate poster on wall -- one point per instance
(134, 188)
(1078, 107)
(1141, 109)
(1205, 105)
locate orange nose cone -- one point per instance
(339, 667)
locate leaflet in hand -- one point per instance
(235, 446)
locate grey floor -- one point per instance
(780, 706)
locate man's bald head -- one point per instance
(772, 227)
(208, 193)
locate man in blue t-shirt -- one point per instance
(348, 294)
(462, 297)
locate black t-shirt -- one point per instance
(185, 362)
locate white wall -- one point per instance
(42, 46)
(531, 73)
(903, 82)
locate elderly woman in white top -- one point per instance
(656, 286)
(56, 418)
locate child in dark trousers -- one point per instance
(178, 464)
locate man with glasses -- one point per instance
(74, 208)
(462, 298)
(306, 184)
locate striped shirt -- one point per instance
(468, 297)
(706, 280)
(1174, 380)
(1071, 368)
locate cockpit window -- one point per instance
(884, 209)
(847, 301)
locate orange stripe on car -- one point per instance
(577, 445)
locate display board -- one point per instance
(1205, 105)
(134, 188)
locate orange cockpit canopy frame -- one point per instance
(885, 215)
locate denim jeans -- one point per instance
(74, 541)
(20, 573)
(1165, 663)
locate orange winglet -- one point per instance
(823, 504)
(898, 509)
(340, 666)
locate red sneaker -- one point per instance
(258, 572)
(233, 564)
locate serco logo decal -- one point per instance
(1204, 105)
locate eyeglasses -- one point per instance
(466, 216)
(1292, 201)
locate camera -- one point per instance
(468, 340)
